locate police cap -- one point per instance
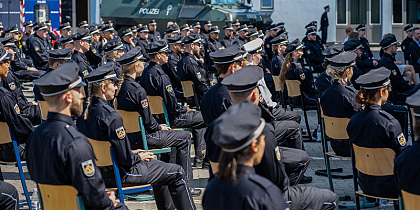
(29, 24)
(327, 7)
(253, 32)
(60, 54)
(235, 52)
(65, 25)
(83, 24)
(4, 55)
(184, 27)
(242, 28)
(196, 25)
(409, 27)
(1, 25)
(310, 31)
(253, 46)
(126, 32)
(152, 23)
(143, 29)
(250, 26)
(172, 29)
(228, 27)
(388, 41)
(238, 127)
(352, 44)
(12, 29)
(236, 23)
(158, 46)
(62, 79)
(361, 27)
(208, 23)
(333, 50)
(113, 44)
(107, 27)
(343, 60)
(311, 25)
(133, 29)
(190, 39)
(40, 26)
(414, 102)
(47, 22)
(94, 29)
(244, 80)
(131, 56)
(280, 25)
(214, 29)
(66, 40)
(101, 73)
(293, 46)
(8, 41)
(175, 39)
(82, 35)
(374, 79)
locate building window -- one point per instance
(266, 4)
(358, 11)
(375, 12)
(397, 11)
(413, 11)
(341, 12)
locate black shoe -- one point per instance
(195, 191)
(206, 164)
(305, 180)
(315, 133)
(198, 163)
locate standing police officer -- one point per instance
(407, 41)
(38, 46)
(313, 51)
(324, 24)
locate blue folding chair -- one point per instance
(105, 156)
(8, 136)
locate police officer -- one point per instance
(252, 34)
(132, 97)
(312, 26)
(157, 83)
(407, 41)
(101, 122)
(401, 88)
(279, 45)
(171, 69)
(11, 114)
(29, 29)
(387, 131)
(143, 33)
(154, 35)
(242, 31)
(267, 42)
(406, 165)
(185, 30)
(83, 25)
(94, 55)
(82, 41)
(363, 62)
(127, 39)
(197, 30)
(212, 45)
(205, 32)
(228, 39)
(324, 24)
(108, 31)
(113, 50)
(313, 52)
(57, 58)
(324, 80)
(239, 131)
(361, 29)
(73, 162)
(65, 31)
(38, 46)
(189, 68)
(66, 42)
(50, 36)
(135, 34)
(414, 49)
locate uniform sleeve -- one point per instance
(398, 142)
(196, 75)
(21, 126)
(25, 43)
(37, 52)
(168, 95)
(144, 110)
(312, 55)
(85, 175)
(415, 56)
(303, 78)
(17, 63)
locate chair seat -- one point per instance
(306, 107)
(334, 155)
(376, 197)
(159, 151)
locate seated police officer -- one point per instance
(57, 153)
(364, 63)
(279, 45)
(81, 46)
(375, 128)
(157, 83)
(239, 132)
(38, 46)
(101, 122)
(57, 58)
(11, 114)
(313, 51)
(171, 69)
(324, 80)
(406, 166)
(132, 97)
(113, 50)
(66, 42)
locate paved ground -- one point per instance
(342, 187)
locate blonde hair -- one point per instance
(338, 73)
(111, 55)
(285, 67)
(125, 69)
(94, 88)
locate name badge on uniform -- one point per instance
(401, 139)
(144, 104)
(302, 76)
(169, 88)
(120, 132)
(278, 155)
(88, 168)
(85, 73)
(17, 109)
(12, 86)
(198, 75)
(394, 72)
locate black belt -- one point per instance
(105, 169)
(6, 146)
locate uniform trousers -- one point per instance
(288, 134)
(282, 114)
(303, 197)
(295, 162)
(9, 197)
(8, 154)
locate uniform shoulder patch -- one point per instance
(36, 48)
(401, 139)
(59, 48)
(268, 45)
(23, 43)
(403, 47)
(308, 52)
(94, 51)
(144, 103)
(85, 73)
(12, 86)
(394, 72)
(199, 75)
(169, 88)
(261, 98)
(302, 76)
(88, 168)
(278, 155)
(17, 109)
(120, 132)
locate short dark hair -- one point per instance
(416, 28)
(222, 68)
(353, 35)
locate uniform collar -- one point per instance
(243, 169)
(59, 117)
(98, 100)
(374, 107)
(389, 56)
(128, 78)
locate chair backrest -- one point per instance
(374, 161)
(43, 107)
(58, 197)
(102, 152)
(277, 83)
(320, 107)
(4, 133)
(411, 201)
(335, 128)
(130, 120)
(293, 88)
(156, 106)
(187, 87)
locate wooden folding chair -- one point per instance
(133, 123)
(411, 201)
(189, 91)
(7, 136)
(157, 107)
(62, 197)
(280, 91)
(294, 90)
(374, 162)
(105, 156)
(43, 107)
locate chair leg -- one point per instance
(1, 175)
(307, 124)
(327, 163)
(22, 176)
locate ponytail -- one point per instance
(365, 97)
(118, 89)
(89, 100)
(284, 68)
